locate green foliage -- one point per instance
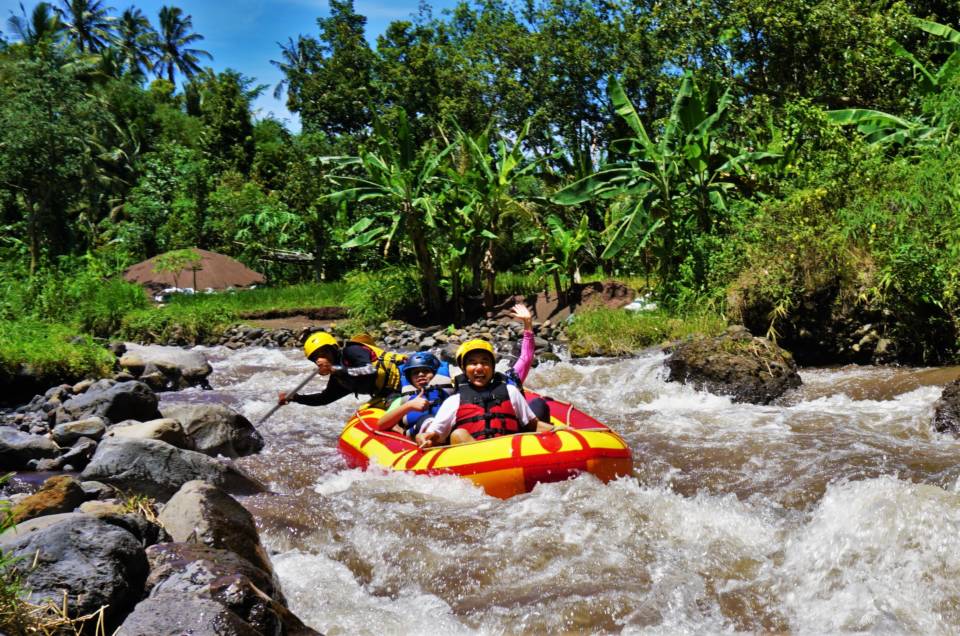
(372, 298)
(12, 619)
(186, 325)
(54, 351)
(617, 332)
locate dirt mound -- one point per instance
(612, 294)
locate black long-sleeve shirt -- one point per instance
(357, 375)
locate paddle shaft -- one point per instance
(289, 395)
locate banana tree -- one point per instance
(670, 187)
(562, 246)
(883, 129)
(487, 175)
(406, 183)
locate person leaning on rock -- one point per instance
(357, 367)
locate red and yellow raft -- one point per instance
(504, 466)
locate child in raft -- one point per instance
(486, 406)
(429, 383)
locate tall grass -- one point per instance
(51, 350)
(617, 332)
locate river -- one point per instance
(836, 510)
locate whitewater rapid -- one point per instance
(835, 510)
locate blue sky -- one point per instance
(243, 34)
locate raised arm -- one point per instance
(522, 366)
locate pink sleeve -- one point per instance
(522, 366)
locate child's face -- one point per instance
(420, 377)
(478, 367)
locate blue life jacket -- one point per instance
(437, 390)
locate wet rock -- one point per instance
(67, 433)
(79, 454)
(185, 570)
(215, 519)
(18, 449)
(56, 495)
(82, 386)
(95, 563)
(166, 616)
(97, 490)
(158, 469)
(737, 364)
(122, 401)
(180, 367)
(216, 430)
(164, 429)
(946, 410)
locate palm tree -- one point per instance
(175, 36)
(87, 23)
(297, 58)
(136, 40)
(42, 26)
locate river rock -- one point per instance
(79, 454)
(165, 429)
(216, 430)
(58, 494)
(190, 570)
(215, 519)
(180, 367)
(158, 469)
(122, 401)
(171, 616)
(737, 364)
(67, 433)
(18, 449)
(96, 563)
(946, 411)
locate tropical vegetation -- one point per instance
(781, 164)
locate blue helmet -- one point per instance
(420, 360)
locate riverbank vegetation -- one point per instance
(786, 165)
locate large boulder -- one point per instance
(171, 616)
(216, 430)
(122, 401)
(58, 494)
(173, 367)
(191, 570)
(165, 429)
(67, 433)
(215, 519)
(94, 562)
(746, 368)
(946, 411)
(158, 469)
(18, 449)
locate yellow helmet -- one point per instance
(474, 345)
(315, 341)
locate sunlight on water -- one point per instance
(833, 510)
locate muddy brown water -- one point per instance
(836, 510)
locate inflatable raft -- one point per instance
(504, 466)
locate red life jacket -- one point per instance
(487, 412)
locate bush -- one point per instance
(183, 324)
(50, 350)
(372, 298)
(617, 332)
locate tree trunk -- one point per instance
(489, 276)
(429, 289)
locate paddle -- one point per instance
(289, 395)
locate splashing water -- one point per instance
(835, 510)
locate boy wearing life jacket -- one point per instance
(356, 367)
(426, 384)
(485, 405)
